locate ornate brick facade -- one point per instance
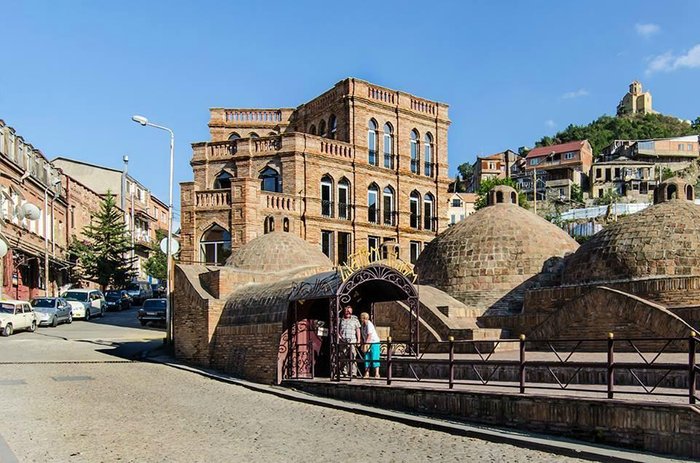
(310, 170)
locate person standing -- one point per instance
(349, 337)
(370, 343)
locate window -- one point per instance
(570, 155)
(344, 240)
(332, 126)
(327, 243)
(388, 146)
(428, 212)
(428, 155)
(234, 136)
(534, 161)
(344, 199)
(312, 129)
(453, 219)
(215, 245)
(681, 147)
(270, 180)
(327, 196)
(285, 224)
(690, 147)
(415, 152)
(322, 128)
(269, 225)
(221, 182)
(456, 202)
(598, 173)
(372, 142)
(415, 251)
(372, 206)
(414, 201)
(388, 206)
(253, 135)
(373, 245)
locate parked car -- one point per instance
(158, 290)
(86, 303)
(152, 310)
(139, 291)
(51, 311)
(16, 315)
(117, 299)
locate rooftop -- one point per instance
(561, 148)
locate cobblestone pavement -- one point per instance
(98, 407)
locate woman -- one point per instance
(370, 345)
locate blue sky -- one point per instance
(73, 72)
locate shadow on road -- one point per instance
(131, 350)
(125, 318)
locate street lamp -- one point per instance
(168, 312)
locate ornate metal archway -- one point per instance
(377, 273)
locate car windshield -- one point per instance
(38, 303)
(7, 308)
(76, 296)
(154, 304)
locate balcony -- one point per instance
(278, 201)
(327, 208)
(390, 217)
(213, 199)
(344, 211)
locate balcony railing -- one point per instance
(388, 161)
(327, 208)
(278, 201)
(415, 166)
(344, 211)
(213, 198)
(390, 217)
(415, 221)
(429, 223)
(372, 158)
(428, 168)
(372, 214)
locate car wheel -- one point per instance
(8, 330)
(54, 322)
(87, 314)
(32, 327)
(70, 318)
(102, 312)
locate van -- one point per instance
(139, 291)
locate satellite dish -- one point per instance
(174, 246)
(3, 248)
(30, 211)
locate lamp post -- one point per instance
(168, 314)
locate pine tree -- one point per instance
(101, 256)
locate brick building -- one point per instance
(358, 166)
(498, 165)
(27, 177)
(559, 167)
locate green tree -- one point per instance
(466, 170)
(486, 185)
(157, 263)
(101, 254)
(576, 193)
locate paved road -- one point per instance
(73, 394)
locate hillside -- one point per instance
(602, 131)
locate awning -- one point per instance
(318, 286)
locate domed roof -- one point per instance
(661, 240)
(492, 252)
(277, 252)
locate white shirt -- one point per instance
(369, 333)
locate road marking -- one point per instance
(72, 378)
(11, 382)
(6, 455)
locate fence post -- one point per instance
(351, 357)
(451, 378)
(310, 350)
(388, 361)
(691, 367)
(611, 370)
(521, 373)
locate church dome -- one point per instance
(490, 258)
(661, 240)
(277, 252)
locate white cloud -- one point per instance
(668, 62)
(550, 124)
(575, 94)
(646, 30)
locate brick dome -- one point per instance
(490, 258)
(277, 252)
(662, 240)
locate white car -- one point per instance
(16, 315)
(86, 303)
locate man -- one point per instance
(349, 337)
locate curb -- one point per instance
(545, 443)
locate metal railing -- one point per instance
(551, 362)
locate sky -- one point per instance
(74, 72)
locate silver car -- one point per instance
(51, 311)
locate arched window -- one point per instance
(253, 135)
(285, 224)
(215, 245)
(234, 136)
(344, 199)
(428, 154)
(223, 181)
(269, 226)
(322, 128)
(414, 206)
(372, 142)
(415, 152)
(373, 203)
(327, 196)
(272, 134)
(388, 146)
(332, 126)
(671, 192)
(312, 129)
(690, 193)
(388, 206)
(270, 180)
(428, 212)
